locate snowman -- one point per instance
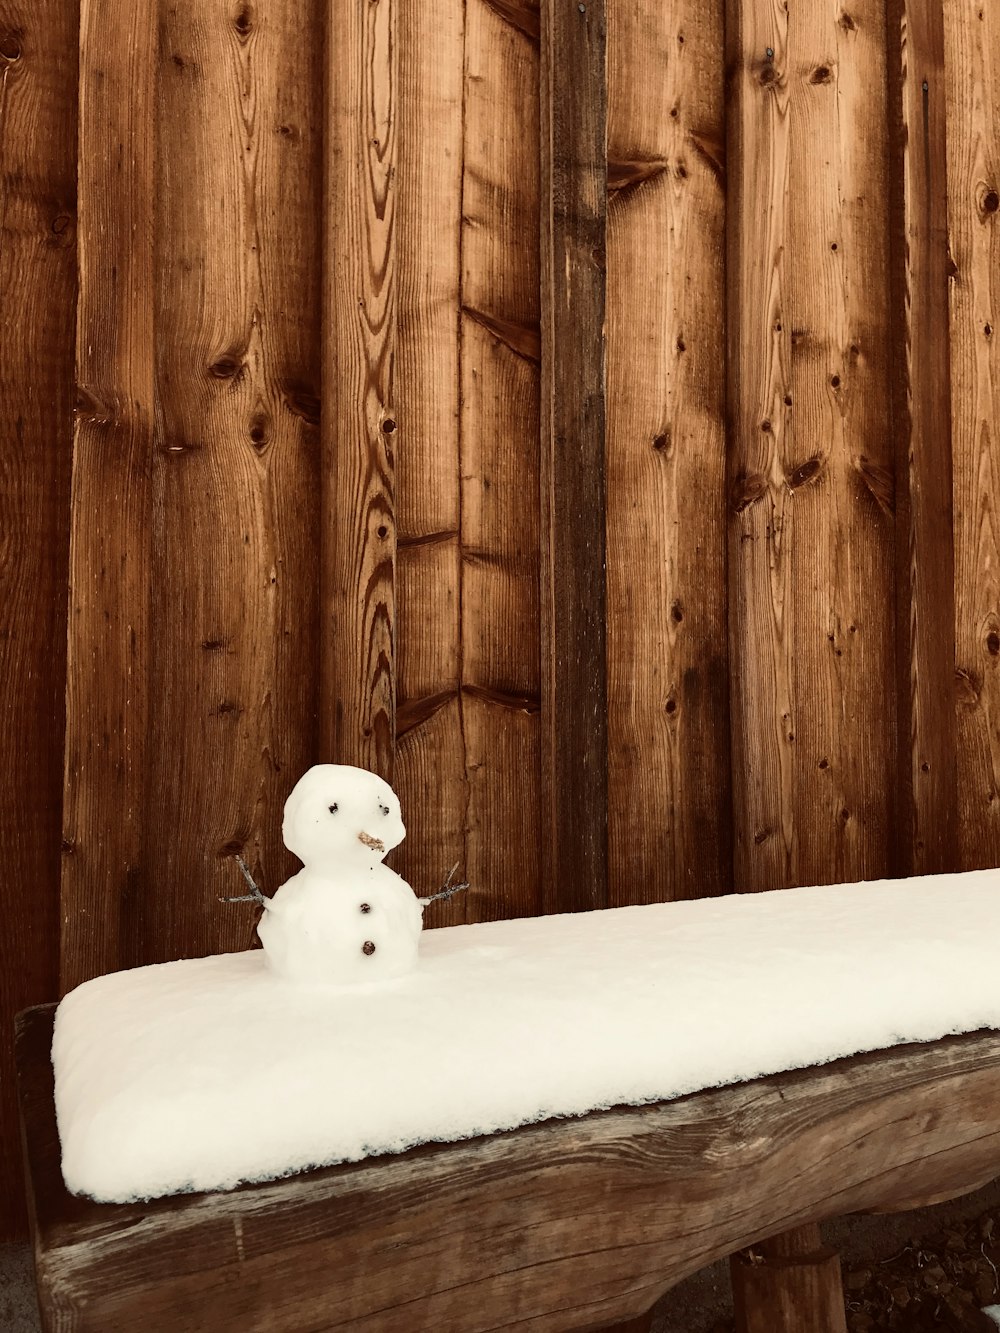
(345, 918)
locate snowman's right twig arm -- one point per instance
(255, 895)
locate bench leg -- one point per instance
(641, 1324)
(788, 1284)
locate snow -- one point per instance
(994, 1313)
(203, 1073)
(344, 918)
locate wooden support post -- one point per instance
(788, 1284)
(574, 670)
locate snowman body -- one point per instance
(345, 919)
(342, 926)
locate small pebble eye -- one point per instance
(333, 808)
(366, 907)
(368, 948)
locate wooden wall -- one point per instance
(583, 413)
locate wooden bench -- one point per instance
(570, 1224)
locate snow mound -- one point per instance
(201, 1074)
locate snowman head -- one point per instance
(341, 813)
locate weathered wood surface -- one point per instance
(423, 438)
(191, 697)
(359, 319)
(972, 66)
(810, 497)
(570, 1224)
(925, 592)
(500, 356)
(787, 1284)
(111, 542)
(668, 690)
(38, 63)
(574, 666)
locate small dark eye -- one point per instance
(368, 948)
(384, 809)
(333, 808)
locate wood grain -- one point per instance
(430, 761)
(811, 470)
(972, 65)
(501, 718)
(38, 71)
(235, 473)
(105, 838)
(359, 311)
(787, 1283)
(668, 690)
(836, 456)
(927, 819)
(567, 1224)
(574, 666)
(765, 828)
(194, 522)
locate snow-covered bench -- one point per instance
(571, 1223)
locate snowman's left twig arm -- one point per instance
(255, 895)
(449, 889)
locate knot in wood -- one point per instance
(10, 48)
(747, 490)
(805, 472)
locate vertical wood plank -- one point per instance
(758, 150)
(500, 699)
(191, 695)
(836, 459)
(109, 645)
(927, 821)
(235, 470)
(430, 760)
(764, 827)
(358, 553)
(972, 63)
(574, 668)
(38, 72)
(810, 488)
(669, 765)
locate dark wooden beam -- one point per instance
(921, 397)
(574, 669)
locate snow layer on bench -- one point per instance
(200, 1074)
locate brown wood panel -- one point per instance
(668, 688)
(359, 521)
(574, 667)
(618, 1206)
(500, 705)
(919, 261)
(222, 609)
(430, 765)
(972, 64)
(234, 606)
(810, 494)
(836, 458)
(765, 829)
(105, 837)
(38, 71)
